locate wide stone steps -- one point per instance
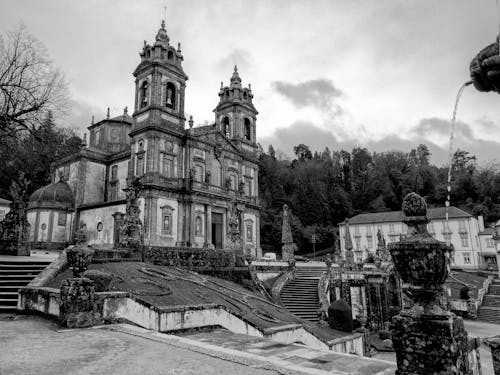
(15, 274)
(491, 300)
(489, 314)
(300, 296)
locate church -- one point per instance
(193, 178)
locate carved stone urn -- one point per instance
(421, 261)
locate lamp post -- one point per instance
(496, 238)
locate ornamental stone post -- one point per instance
(494, 344)
(427, 338)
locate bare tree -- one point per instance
(30, 84)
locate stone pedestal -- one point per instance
(287, 251)
(77, 308)
(494, 344)
(430, 345)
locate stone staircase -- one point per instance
(15, 274)
(489, 311)
(300, 296)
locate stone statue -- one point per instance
(233, 240)
(288, 248)
(14, 229)
(131, 231)
(382, 253)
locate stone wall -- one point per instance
(120, 306)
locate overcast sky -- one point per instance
(381, 74)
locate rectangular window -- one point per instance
(358, 243)
(2, 215)
(464, 237)
(61, 219)
(490, 243)
(167, 224)
(140, 165)
(462, 226)
(114, 173)
(249, 230)
(168, 166)
(392, 229)
(113, 191)
(466, 258)
(97, 137)
(369, 239)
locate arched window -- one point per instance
(148, 53)
(248, 129)
(144, 94)
(170, 55)
(227, 94)
(170, 95)
(226, 129)
(245, 95)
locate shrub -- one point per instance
(340, 316)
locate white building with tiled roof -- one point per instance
(462, 231)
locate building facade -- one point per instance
(4, 208)
(192, 177)
(465, 232)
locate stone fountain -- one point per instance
(427, 338)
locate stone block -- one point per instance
(426, 345)
(78, 307)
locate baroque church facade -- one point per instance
(193, 178)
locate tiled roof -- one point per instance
(4, 201)
(397, 216)
(487, 231)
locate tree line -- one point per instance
(324, 188)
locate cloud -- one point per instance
(441, 127)
(422, 133)
(239, 57)
(318, 93)
(79, 115)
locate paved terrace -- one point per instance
(33, 345)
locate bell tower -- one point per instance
(235, 115)
(160, 84)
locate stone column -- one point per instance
(180, 225)
(208, 227)
(494, 344)
(153, 236)
(187, 223)
(192, 225)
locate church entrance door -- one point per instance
(118, 216)
(217, 223)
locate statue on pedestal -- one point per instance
(131, 231)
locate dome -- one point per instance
(57, 195)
